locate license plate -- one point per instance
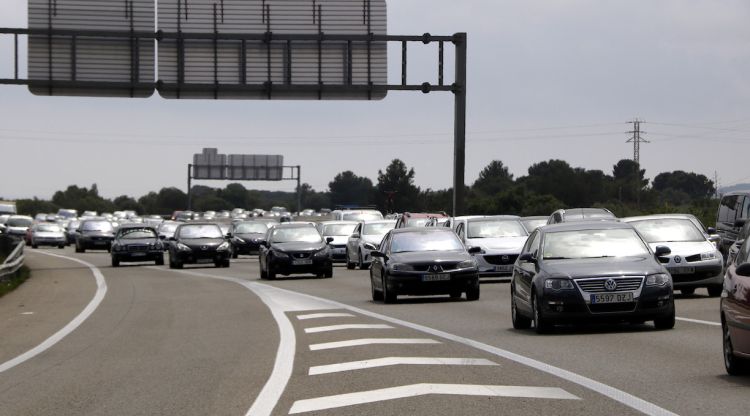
(612, 298)
(100, 243)
(504, 269)
(682, 270)
(203, 261)
(436, 277)
(138, 254)
(302, 262)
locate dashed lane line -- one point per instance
(393, 393)
(101, 291)
(330, 328)
(325, 315)
(370, 341)
(392, 361)
(698, 321)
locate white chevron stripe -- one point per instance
(370, 341)
(347, 326)
(372, 396)
(325, 315)
(390, 361)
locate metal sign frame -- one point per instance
(269, 88)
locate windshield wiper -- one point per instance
(557, 258)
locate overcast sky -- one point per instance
(547, 79)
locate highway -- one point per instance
(86, 338)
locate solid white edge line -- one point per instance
(324, 315)
(698, 321)
(101, 291)
(392, 361)
(613, 393)
(392, 393)
(370, 341)
(330, 328)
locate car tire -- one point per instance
(519, 321)
(82, 250)
(734, 365)
(715, 290)
(389, 296)
(349, 265)
(34, 245)
(226, 263)
(329, 272)
(270, 275)
(115, 262)
(61, 247)
(377, 295)
(473, 293)
(263, 274)
(541, 324)
(665, 322)
(455, 294)
(687, 291)
(360, 262)
(160, 260)
(235, 254)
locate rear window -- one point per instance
(19, 222)
(96, 226)
(133, 233)
(727, 209)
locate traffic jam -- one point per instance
(577, 266)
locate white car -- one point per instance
(44, 234)
(454, 222)
(694, 260)
(501, 239)
(339, 231)
(367, 233)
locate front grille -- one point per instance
(135, 247)
(443, 267)
(300, 255)
(695, 257)
(338, 246)
(596, 285)
(501, 260)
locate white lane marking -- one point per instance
(278, 303)
(351, 399)
(101, 290)
(324, 315)
(370, 341)
(613, 393)
(391, 361)
(330, 328)
(698, 321)
(27, 313)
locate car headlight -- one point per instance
(280, 255)
(183, 247)
(158, 246)
(708, 256)
(558, 284)
(466, 264)
(401, 267)
(322, 253)
(115, 247)
(223, 246)
(659, 279)
(238, 240)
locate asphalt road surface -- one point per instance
(82, 338)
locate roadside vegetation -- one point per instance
(547, 186)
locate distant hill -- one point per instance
(734, 188)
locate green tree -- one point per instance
(696, 186)
(494, 178)
(398, 182)
(629, 180)
(350, 189)
(124, 202)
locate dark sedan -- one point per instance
(246, 237)
(735, 313)
(423, 261)
(136, 242)
(198, 243)
(294, 249)
(590, 271)
(94, 235)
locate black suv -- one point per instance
(94, 235)
(136, 242)
(294, 249)
(197, 243)
(734, 207)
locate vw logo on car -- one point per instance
(610, 285)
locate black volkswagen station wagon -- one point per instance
(590, 271)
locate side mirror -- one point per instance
(370, 246)
(229, 235)
(264, 243)
(662, 251)
(329, 240)
(475, 250)
(378, 254)
(162, 237)
(355, 235)
(172, 239)
(740, 223)
(712, 230)
(743, 269)
(527, 257)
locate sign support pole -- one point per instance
(299, 189)
(459, 140)
(189, 190)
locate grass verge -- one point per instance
(10, 283)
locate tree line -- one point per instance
(547, 186)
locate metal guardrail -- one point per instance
(13, 262)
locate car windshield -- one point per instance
(96, 226)
(168, 228)
(19, 222)
(417, 222)
(532, 225)
(668, 230)
(201, 231)
(584, 244)
(73, 225)
(378, 228)
(296, 234)
(495, 229)
(132, 233)
(48, 228)
(425, 241)
(338, 229)
(250, 228)
(362, 216)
